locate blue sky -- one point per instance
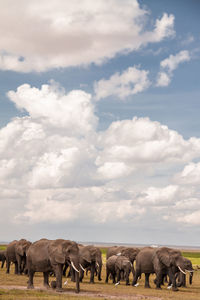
(99, 120)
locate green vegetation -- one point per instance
(193, 256)
(2, 247)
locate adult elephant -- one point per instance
(161, 261)
(11, 256)
(116, 265)
(181, 277)
(90, 256)
(21, 248)
(51, 255)
(16, 253)
(2, 257)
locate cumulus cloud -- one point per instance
(62, 34)
(190, 175)
(140, 142)
(60, 168)
(73, 112)
(129, 82)
(169, 64)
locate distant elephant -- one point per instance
(160, 261)
(129, 252)
(90, 256)
(2, 257)
(51, 255)
(114, 250)
(117, 264)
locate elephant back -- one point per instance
(144, 260)
(114, 251)
(110, 262)
(10, 251)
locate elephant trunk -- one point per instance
(75, 265)
(99, 270)
(190, 277)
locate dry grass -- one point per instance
(14, 287)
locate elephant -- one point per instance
(181, 277)
(2, 257)
(11, 256)
(90, 256)
(129, 252)
(115, 250)
(21, 248)
(51, 255)
(160, 261)
(117, 264)
(16, 253)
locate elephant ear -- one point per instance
(85, 254)
(164, 257)
(19, 250)
(56, 254)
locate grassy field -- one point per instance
(14, 287)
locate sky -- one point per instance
(99, 121)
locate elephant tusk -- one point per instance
(118, 254)
(82, 267)
(97, 264)
(74, 267)
(181, 270)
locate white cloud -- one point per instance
(67, 171)
(129, 82)
(169, 64)
(140, 142)
(73, 112)
(63, 34)
(172, 62)
(190, 175)
(163, 79)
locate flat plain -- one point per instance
(15, 287)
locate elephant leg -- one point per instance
(30, 280)
(127, 277)
(59, 271)
(92, 273)
(173, 280)
(159, 278)
(3, 262)
(46, 279)
(135, 278)
(113, 276)
(7, 266)
(81, 275)
(118, 275)
(147, 280)
(107, 275)
(16, 268)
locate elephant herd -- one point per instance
(54, 257)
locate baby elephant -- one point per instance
(117, 265)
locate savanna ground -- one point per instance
(14, 287)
